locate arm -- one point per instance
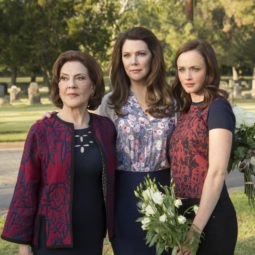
(25, 249)
(220, 141)
(19, 224)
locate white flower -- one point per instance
(243, 117)
(162, 218)
(195, 209)
(145, 223)
(157, 197)
(249, 119)
(149, 210)
(181, 219)
(177, 203)
(147, 194)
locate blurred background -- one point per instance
(34, 32)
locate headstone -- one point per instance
(14, 91)
(2, 90)
(2, 94)
(237, 88)
(33, 93)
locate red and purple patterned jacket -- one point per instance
(44, 186)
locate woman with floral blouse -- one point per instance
(140, 105)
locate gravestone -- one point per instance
(237, 89)
(2, 90)
(3, 93)
(14, 92)
(33, 93)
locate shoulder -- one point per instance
(220, 114)
(102, 121)
(106, 108)
(220, 103)
(106, 98)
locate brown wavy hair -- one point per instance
(159, 96)
(94, 71)
(212, 79)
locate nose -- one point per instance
(134, 60)
(71, 83)
(188, 75)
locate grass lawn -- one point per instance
(246, 225)
(16, 119)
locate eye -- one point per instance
(196, 69)
(181, 69)
(81, 78)
(63, 78)
(142, 53)
(125, 55)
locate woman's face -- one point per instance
(191, 69)
(136, 59)
(75, 86)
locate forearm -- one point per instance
(25, 250)
(210, 195)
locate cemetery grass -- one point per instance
(16, 120)
(246, 224)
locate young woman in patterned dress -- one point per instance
(200, 149)
(140, 105)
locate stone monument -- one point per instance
(33, 93)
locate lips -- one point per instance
(72, 94)
(135, 70)
(189, 84)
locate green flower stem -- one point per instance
(249, 188)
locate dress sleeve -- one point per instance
(220, 115)
(19, 224)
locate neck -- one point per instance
(140, 92)
(197, 98)
(79, 117)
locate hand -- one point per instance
(191, 244)
(25, 249)
(46, 115)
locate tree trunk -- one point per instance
(189, 10)
(14, 76)
(236, 83)
(253, 80)
(234, 74)
(46, 79)
(32, 77)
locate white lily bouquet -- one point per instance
(165, 227)
(243, 150)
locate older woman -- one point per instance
(64, 192)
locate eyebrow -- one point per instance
(135, 51)
(74, 75)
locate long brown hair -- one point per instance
(95, 74)
(212, 79)
(159, 98)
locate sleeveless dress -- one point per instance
(89, 219)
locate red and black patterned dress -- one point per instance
(189, 165)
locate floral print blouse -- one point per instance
(141, 139)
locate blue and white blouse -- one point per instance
(142, 139)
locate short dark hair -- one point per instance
(212, 79)
(159, 96)
(94, 71)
